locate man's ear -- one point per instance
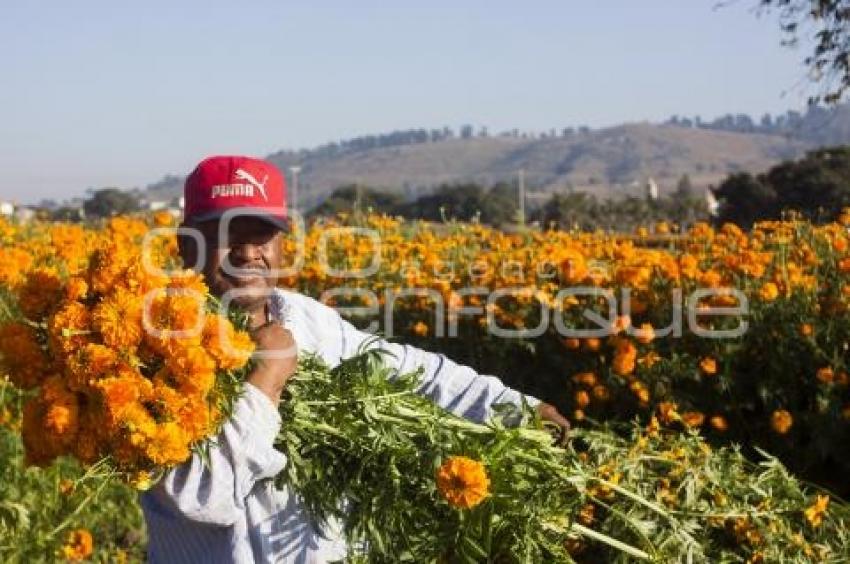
(187, 246)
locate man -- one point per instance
(226, 509)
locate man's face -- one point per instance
(244, 262)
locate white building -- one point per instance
(711, 202)
(7, 208)
(651, 189)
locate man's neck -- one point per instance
(259, 316)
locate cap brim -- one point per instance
(281, 223)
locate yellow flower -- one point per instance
(582, 398)
(693, 418)
(825, 375)
(79, 545)
(814, 513)
(586, 378)
(40, 292)
(169, 445)
(118, 318)
(571, 343)
(769, 292)
(718, 423)
(645, 334)
(667, 412)
(141, 480)
(592, 344)
(76, 289)
(625, 357)
(21, 356)
(463, 482)
(708, 366)
(420, 328)
(601, 393)
(14, 264)
(781, 421)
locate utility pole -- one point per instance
(522, 196)
(294, 170)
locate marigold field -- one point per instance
(776, 382)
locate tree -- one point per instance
(818, 186)
(829, 60)
(347, 198)
(744, 199)
(107, 202)
(684, 188)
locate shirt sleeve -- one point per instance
(455, 387)
(213, 491)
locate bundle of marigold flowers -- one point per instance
(123, 361)
(412, 483)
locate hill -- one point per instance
(608, 162)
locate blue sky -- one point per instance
(98, 93)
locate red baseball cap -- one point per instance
(221, 183)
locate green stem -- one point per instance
(612, 542)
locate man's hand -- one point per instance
(275, 359)
(549, 413)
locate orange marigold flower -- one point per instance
(711, 279)
(108, 264)
(420, 328)
(640, 391)
(708, 366)
(693, 418)
(718, 423)
(76, 289)
(625, 357)
(571, 343)
(645, 334)
(585, 378)
(141, 480)
(14, 264)
(781, 421)
(118, 318)
(193, 369)
(118, 393)
(40, 292)
(769, 292)
(21, 356)
(667, 412)
(79, 545)
(163, 218)
(621, 323)
(70, 327)
(592, 344)
(825, 375)
(814, 513)
(582, 398)
(229, 348)
(88, 364)
(806, 330)
(634, 276)
(169, 445)
(463, 482)
(601, 393)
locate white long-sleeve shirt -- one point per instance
(228, 510)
